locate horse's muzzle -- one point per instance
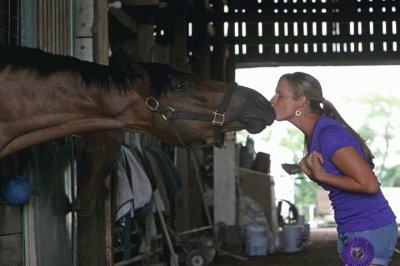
(258, 115)
(265, 105)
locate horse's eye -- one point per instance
(180, 86)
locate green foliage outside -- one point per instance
(380, 129)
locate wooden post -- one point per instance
(225, 179)
(83, 37)
(91, 44)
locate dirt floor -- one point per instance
(321, 252)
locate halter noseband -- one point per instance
(217, 118)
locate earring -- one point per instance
(297, 113)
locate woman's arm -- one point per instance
(358, 177)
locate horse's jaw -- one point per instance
(255, 125)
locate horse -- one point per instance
(44, 96)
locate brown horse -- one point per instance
(45, 96)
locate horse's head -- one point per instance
(188, 108)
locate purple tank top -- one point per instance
(354, 212)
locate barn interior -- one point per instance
(208, 185)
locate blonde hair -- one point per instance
(305, 84)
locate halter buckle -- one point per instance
(218, 119)
(169, 113)
(152, 103)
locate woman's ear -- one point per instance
(301, 101)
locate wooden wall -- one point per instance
(11, 238)
(11, 223)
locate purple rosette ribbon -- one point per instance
(358, 251)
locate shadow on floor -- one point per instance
(321, 252)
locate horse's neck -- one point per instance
(36, 109)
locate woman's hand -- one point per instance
(312, 165)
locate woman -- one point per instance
(338, 159)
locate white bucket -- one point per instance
(292, 237)
(256, 241)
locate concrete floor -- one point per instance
(321, 252)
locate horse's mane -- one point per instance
(46, 63)
(92, 73)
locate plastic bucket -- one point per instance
(292, 237)
(256, 241)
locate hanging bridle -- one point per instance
(217, 118)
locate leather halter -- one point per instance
(217, 118)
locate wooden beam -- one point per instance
(124, 18)
(142, 3)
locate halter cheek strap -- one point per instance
(217, 118)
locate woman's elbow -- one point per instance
(372, 188)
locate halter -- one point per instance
(217, 118)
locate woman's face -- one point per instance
(283, 103)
